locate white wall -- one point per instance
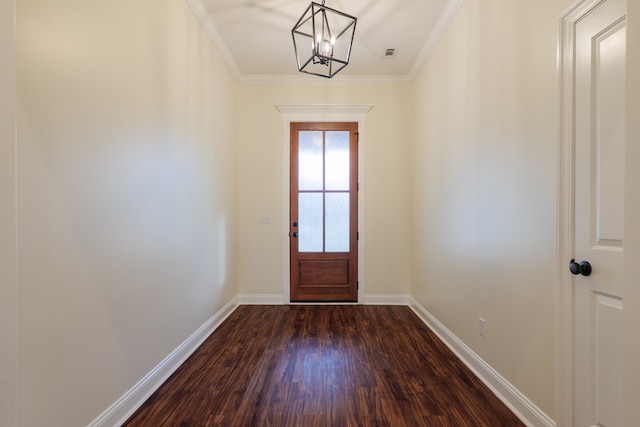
(260, 185)
(484, 186)
(126, 148)
(632, 222)
(8, 285)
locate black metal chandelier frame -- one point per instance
(323, 38)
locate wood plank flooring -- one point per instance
(332, 365)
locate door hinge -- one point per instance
(357, 136)
(357, 235)
(357, 284)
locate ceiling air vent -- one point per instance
(389, 53)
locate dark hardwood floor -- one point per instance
(332, 365)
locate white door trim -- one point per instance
(8, 219)
(321, 113)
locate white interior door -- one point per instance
(600, 53)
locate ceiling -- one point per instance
(254, 36)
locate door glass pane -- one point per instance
(310, 160)
(337, 160)
(337, 222)
(310, 222)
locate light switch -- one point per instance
(265, 218)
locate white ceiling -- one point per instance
(254, 36)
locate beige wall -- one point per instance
(632, 223)
(127, 121)
(260, 185)
(8, 285)
(484, 186)
(132, 136)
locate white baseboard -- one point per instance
(124, 407)
(526, 410)
(278, 299)
(261, 299)
(386, 299)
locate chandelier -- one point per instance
(322, 40)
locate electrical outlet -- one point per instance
(481, 326)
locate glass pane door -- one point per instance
(323, 191)
(323, 202)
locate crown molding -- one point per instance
(305, 79)
(446, 17)
(451, 9)
(209, 27)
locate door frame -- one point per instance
(8, 218)
(564, 311)
(321, 113)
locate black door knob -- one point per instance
(582, 267)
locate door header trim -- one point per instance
(324, 113)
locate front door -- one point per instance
(323, 212)
(599, 129)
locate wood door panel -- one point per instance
(325, 293)
(323, 273)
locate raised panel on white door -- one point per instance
(608, 348)
(608, 151)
